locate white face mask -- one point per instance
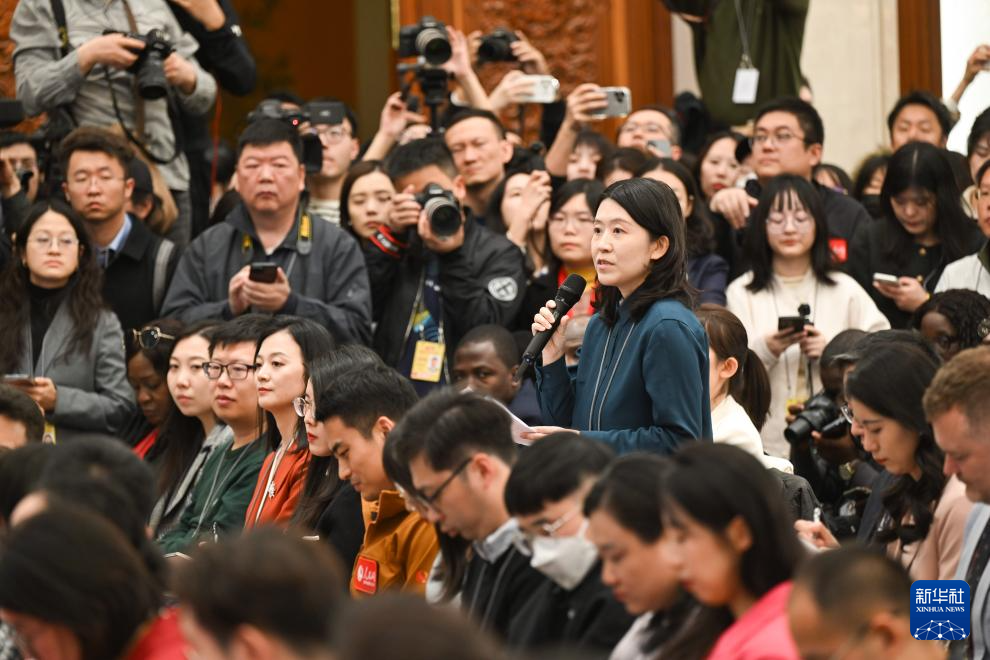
(564, 559)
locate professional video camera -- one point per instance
(442, 209)
(820, 414)
(315, 113)
(497, 46)
(426, 39)
(149, 68)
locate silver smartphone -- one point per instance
(545, 89)
(618, 102)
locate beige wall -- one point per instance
(850, 57)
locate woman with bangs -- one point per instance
(792, 275)
(900, 258)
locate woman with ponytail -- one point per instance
(738, 385)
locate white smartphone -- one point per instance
(618, 102)
(884, 277)
(545, 89)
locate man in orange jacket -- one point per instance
(358, 410)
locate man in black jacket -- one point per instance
(788, 138)
(457, 450)
(429, 290)
(268, 255)
(545, 493)
(138, 265)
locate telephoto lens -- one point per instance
(442, 210)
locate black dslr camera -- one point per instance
(496, 46)
(820, 414)
(442, 209)
(150, 64)
(428, 39)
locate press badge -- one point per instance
(427, 364)
(746, 84)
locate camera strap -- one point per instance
(139, 100)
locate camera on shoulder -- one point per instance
(442, 210)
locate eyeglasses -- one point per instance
(983, 193)
(148, 338)
(236, 370)
(777, 221)
(430, 502)
(847, 413)
(303, 406)
(332, 135)
(44, 241)
(780, 138)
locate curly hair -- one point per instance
(965, 310)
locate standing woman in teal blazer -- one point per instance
(642, 380)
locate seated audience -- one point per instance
(855, 603)
(147, 351)
(265, 595)
(285, 350)
(733, 549)
(486, 362)
(716, 166)
(951, 321)
(917, 513)
(21, 420)
(545, 493)
(452, 453)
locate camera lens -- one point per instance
(799, 431)
(151, 80)
(444, 216)
(432, 44)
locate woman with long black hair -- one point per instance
(642, 382)
(57, 335)
(190, 431)
(915, 512)
(281, 371)
(734, 550)
(923, 229)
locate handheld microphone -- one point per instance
(567, 295)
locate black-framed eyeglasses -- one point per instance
(235, 370)
(148, 338)
(430, 502)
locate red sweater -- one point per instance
(161, 641)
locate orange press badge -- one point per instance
(427, 364)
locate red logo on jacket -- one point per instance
(366, 575)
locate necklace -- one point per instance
(211, 499)
(269, 492)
